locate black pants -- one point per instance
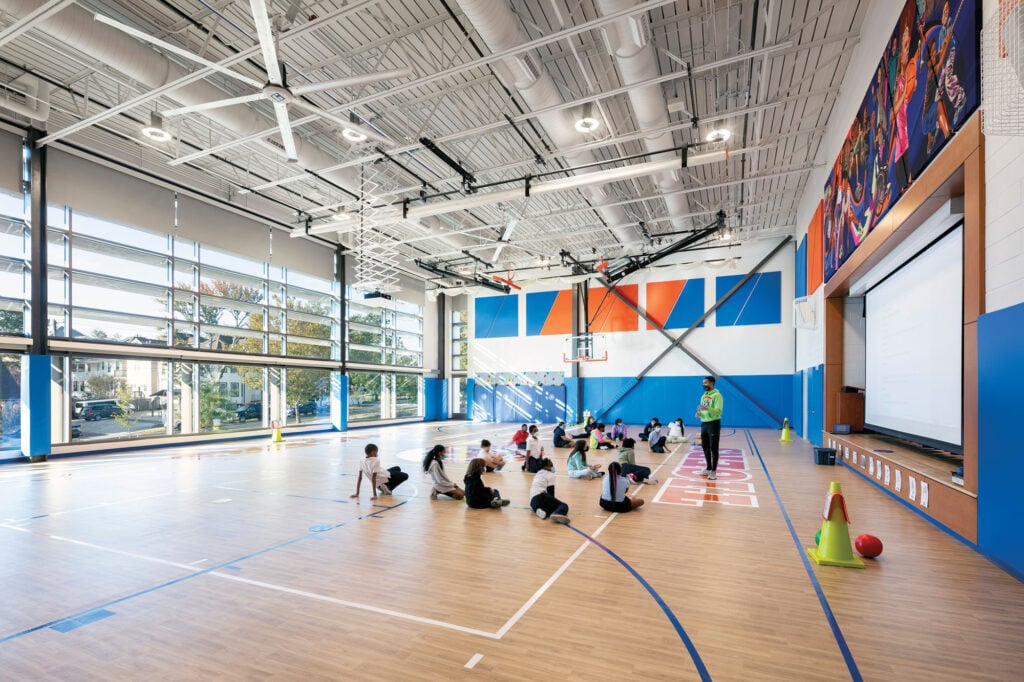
(621, 507)
(549, 503)
(641, 473)
(398, 477)
(710, 434)
(563, 443)
(659, 446)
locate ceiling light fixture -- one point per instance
(725, 235)
(587, 122)
(352, 135)
(155, 130)
(719, 135)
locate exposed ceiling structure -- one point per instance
(475, 135)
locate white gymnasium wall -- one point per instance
(735, 350)
(1004, 212)
(810, 343)
(854, 333)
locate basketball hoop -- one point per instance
(585, 348)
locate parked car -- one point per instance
(249, 411)
(94, 412)
(76, 430)
(307, 407)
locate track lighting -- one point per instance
(155, 130)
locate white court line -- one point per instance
(568, 562)
(356, 605)
(473, 661)
(100, 505)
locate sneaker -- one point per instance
(711, 475)
(384, 490)
(505, 503)
(705, 472)
(541, 514)
(651, 481)
(600, 474)
(433, 494)
(495, 503)
(632, 478)
(560, 518)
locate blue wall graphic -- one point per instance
(496, 317)
(759, 301)
(519, 403)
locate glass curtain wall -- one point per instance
(374, 396)
(459, 340)
(123, 285)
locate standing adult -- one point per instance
(710, 415)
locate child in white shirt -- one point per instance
(381, 479)
(534, 451)
(542, 494)
(433, 464)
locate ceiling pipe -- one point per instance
(629, 42)
(499, 27)
(77, 28)
(36, 106)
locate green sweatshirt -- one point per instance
(710, 406)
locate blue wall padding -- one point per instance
(470, 391)
(538, 307)
(496, 317)
(435, 399)
(573, 411)
(1000, 463)
(668, 397)
(545, 404)
(339, 396)
(759, 301)
(35, 405)
(801, 268)
(815, 404)
(796, 410)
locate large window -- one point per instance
(386, 334)
(15, 289)
(375, 395)
(460, 341)
(10, 401)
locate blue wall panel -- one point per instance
(801, 268)
(538, 307)
(689, 306)
(573, 411)
(35, 405)
(671, 397)
(759, 301)
(815, 403)
(1000, 464)
(496, 317)
(482, 403)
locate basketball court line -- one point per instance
(837, 633)
(572, 558)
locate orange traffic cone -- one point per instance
(275, 433)
(835, 549)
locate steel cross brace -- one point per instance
(677, 342)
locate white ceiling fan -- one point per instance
(276, 89)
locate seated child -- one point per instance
(493, 461)
(542, 495)
(578, 467)
(613, 493)
(632, 470)
(618, 430)
(433, 464)
(597, 439)
(654, 423)
(587, 428)
(558, 437)
(534, 451)
(381, 479)
(519, 437)
(676, 431)
(479, 496)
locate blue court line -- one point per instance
(227, 564)
(844, 648)
(301, 497)
(694, 656)
(75, 623)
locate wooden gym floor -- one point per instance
(249, 560)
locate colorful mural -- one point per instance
(924, 88)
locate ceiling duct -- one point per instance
(34, 96)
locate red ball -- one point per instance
(868, 546)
